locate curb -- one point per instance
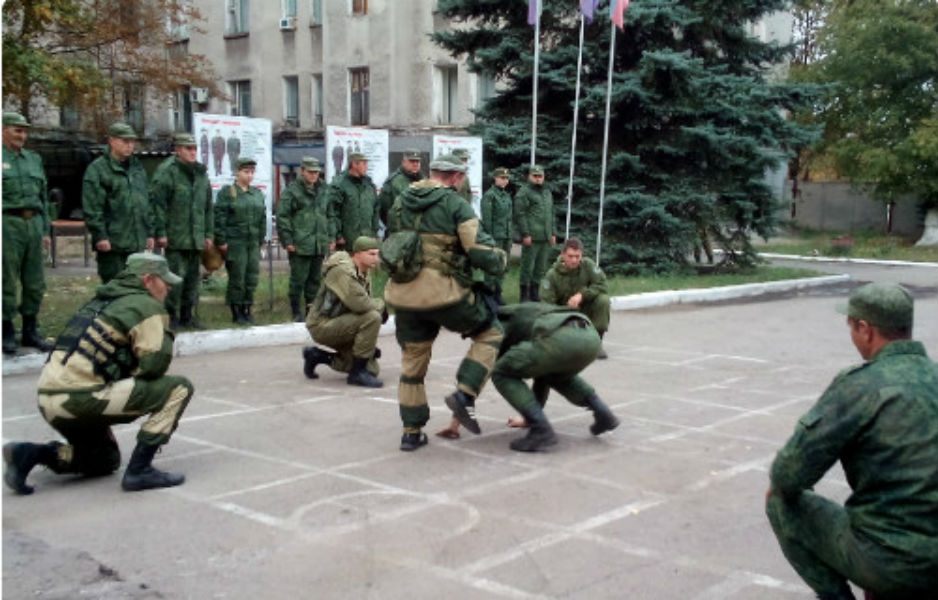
(860, 261)
(204, 342)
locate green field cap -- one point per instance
(887, 306)
(147, 263)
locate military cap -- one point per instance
(363, 243)
(147, 263)
(246, 161)
(886, 306)
(461, 153)
(535, 170)
(501, 172)
(356, 156)
(183, 139)
(311, 163)
(412, 154)
(15, 119)
(448, 163)
(122, 131)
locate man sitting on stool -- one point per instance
(344, 316)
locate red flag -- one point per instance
(617, 12)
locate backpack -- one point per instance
(402, 252)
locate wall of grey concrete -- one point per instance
(840, 207)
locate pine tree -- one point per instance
(695, 121)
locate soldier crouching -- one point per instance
(108, 366)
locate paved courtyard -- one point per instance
(296, 488)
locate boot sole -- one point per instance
(601, 430)
(421, 442)
(11, 474)
(131, 487)
(462, 415)
(534, 448)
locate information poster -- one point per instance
(343, 141)
(445, 144)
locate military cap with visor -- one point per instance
(363, 243)
(356, 156)
(122, 131)
(461, 153)
(184, 139)
(886, 306)
(501, 172)
(246, 161)
(147, 263)
(412, 154)
(535, 170)
(447, 163)
(14, 119)
(310, 163)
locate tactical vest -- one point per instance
(84, 334)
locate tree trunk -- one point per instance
(930, 235)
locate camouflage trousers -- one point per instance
(416, 332)
(598, 312)
(534, 261)
(187, 264)
(305, 276)
(84, 418)
(22, 266)
(816, 537)
(351, 336)
(243, 265)
(553, 361)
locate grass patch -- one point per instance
(864, 245)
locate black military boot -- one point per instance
(534, 292)
(845, 593)
(9, 338)
(603, 419)
(464, 408)
(298, 317)
(522, 293)
(236, 314)
(142, 475)
(30, 337)
(540, 433)
(174, 323)
(312, 357)
(601, 355)
(21, 457)
(246, 314)
(359, 375)
(187, 319)
(412, 441)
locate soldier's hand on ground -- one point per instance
(103, 245)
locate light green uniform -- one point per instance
(304, 220)
(240, 222)
(355, 207)
(534, 218)
(588, 279)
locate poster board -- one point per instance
(342, 141)
(445, 144)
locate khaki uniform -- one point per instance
(561, 283)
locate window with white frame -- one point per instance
(236, 16)
(446, 94)
(317, 100)
(240, 92)
(315, 12)
(182, 110)
(291, 101)
(358, 95)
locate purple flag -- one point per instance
(588, 8)
(534, 11)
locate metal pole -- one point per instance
(576, 114)
(537, 55)
(602, 177)
(270, 272)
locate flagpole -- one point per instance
(576, 114)
(602, 177)
(537, 54)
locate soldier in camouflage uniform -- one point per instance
(116, 202)
(304, 222)
(185, 224)
(344, 316)
(109, 366)
(465, 188)
(534, 217)
(880, 420)
(578, 282)
(240, 228)
(25, 232)
(496, 220)
(442, 296)
(354, 202)
(406, 174)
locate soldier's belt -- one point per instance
(23, 213)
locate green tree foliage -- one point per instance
(696, 122)
(85, 53)
(880, 60)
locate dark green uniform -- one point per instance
(25, 222)
(561, 283)
(182, 203)
(240, 222)
(496, 221)
(393, 187)
(304, 221)
(344, 316)
(116, 203)
(109, 366)
(534, 218)
(355, 207)
(442, 295)
(880, 420)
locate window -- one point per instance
(291, 101)
(315, 12)
(177, 23)
(358, 96)
(317, 100)
(182, 110)
(133, 97)
(236, 16)
(240, 92)
(359, 7)
(446, 94)
(288, 8)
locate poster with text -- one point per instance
(342, 141)
(222, 139)
(446, 144)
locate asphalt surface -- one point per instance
(296, 488)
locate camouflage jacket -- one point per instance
(496, 213)
(534, 212)
(529, 320)
(343, 290)
(561, 283)
(24, 183)
(182, 204)
(116, 201)
(355, 207)
(240, 216)
(304, 219)
(399, 181)
(880, 420)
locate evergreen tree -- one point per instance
(695, 122)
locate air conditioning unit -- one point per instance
(288, 24)
(198, 95)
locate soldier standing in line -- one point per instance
(497, 219)
(116, 202)
(354, 202)
(109, 366)
(406, 174)
(182, 203)
(218, 151)
(880, 420)
(345, 317)
(576, 281)
(442, 295)
(304, 229)
(26, 225)
(534, 217)
(240, 227)
(233, 147)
